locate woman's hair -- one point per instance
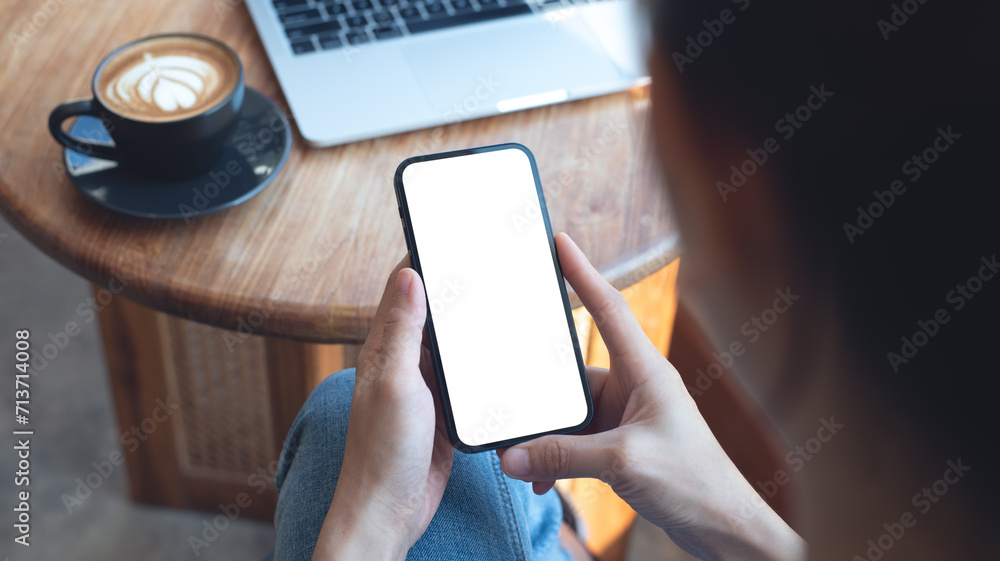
(886, 120)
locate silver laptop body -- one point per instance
(358, 69)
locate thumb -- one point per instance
(402, 331)
(559, 457)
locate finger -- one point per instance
(611, 313)
(403, 324)
(388, 295)
(607, 413)
(443, 455)
(425, 342)
(542, 487)
(539, 487)
(431, 380)
(559, 457)
(597, 378)
(427, 361)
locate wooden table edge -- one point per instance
(181, 303)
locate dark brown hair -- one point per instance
(896, 237)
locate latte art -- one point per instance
(167, 79)
(169, 82)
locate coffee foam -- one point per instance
(167, 79)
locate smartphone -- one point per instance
(500, 329)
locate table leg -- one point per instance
(203, 412)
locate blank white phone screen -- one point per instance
(506, 351)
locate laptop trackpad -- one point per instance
(467, 70)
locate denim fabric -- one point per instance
(484, 514)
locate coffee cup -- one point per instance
(170, 102)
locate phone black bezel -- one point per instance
(411, 245)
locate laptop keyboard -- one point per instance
(320, 25)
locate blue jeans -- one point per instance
(484, 514)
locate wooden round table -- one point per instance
(235, 315)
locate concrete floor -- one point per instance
(74, 423)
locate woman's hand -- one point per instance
(650, 443)
(397, 457)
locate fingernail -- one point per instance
(516, 461)
(403, 281)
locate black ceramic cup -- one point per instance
(178, 148)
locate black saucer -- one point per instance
(255, 154)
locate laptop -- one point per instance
(358, 69)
